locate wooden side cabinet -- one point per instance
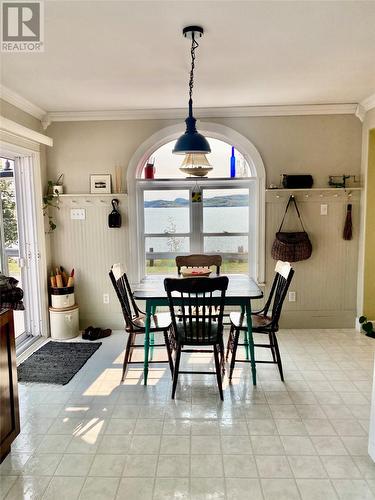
(9, 411)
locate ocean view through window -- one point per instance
(172, 223)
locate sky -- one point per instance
(167, 164)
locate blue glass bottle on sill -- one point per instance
(233, 164)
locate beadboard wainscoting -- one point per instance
(325, 284)
(91, 247)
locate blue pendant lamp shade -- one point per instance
(192, 141)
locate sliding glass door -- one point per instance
(9, 235)
(20, 254)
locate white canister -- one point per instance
(64, 323)
(62, 301)
(58, 189)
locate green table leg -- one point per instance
(246, 338)
(147, 341)
(251, 343)
(151, 345)
(152, 339)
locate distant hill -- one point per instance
(233, 200)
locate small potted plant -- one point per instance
(57, 187)
(367, 326)
(51, 200)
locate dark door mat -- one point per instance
(56, 362)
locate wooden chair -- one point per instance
(198, 260)
(262, 321)
(197, 319)
(135, 322)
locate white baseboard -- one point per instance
(357, 324)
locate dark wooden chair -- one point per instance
(135, 322)
(264, 321)
(197, 307)
(199, 260)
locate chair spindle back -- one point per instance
(198, 260)
(197, 303)
(123, 292)
(280, 285)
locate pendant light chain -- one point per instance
(192, 142)
(194, 46)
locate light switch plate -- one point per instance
(324, 209)
(78, 213)
(292, 296)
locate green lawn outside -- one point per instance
(14, 268)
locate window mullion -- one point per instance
(196, 244)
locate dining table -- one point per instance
(241, 290)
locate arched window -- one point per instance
(178, 214)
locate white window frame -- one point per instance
(196, 233)
(167, 134)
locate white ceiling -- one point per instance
(109, 55)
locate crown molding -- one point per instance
(364, 106)
(47, 118)
(368, 103)
(20, 102)
(360, 112)
(230, 112)
(15, 129)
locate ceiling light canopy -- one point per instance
(192, 141)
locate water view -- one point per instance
(223, 215)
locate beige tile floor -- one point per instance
(303, 439)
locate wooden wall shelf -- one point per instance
(283, 190)
(95, 195)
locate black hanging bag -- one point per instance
(291, 246)
(114, 218)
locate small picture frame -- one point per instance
(100, 183)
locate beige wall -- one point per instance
(321, 145)
(84, 148)
(17, 115)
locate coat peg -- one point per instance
(321, 195)
(306, 195)
(335, 195)
(277, 196)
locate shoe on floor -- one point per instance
(96, 333)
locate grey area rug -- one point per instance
(56, 362)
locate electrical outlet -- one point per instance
(105, 298)
(78, 213)
(292, 296)
(324, 209)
